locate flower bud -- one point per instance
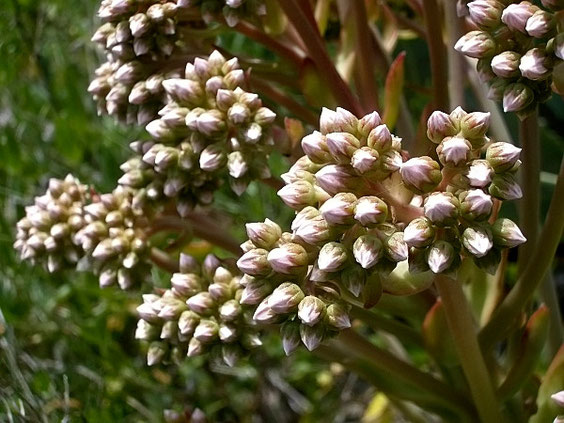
(441, 208)
(364, 160)
(146, 331)
(290, 332)
(485, 13)
(285, 298)
(255, 292)
(517, 97)
(264, 234)
(475, 204)
(315, 147)
(440, 256)
(477, 44)
(332, 257)
(419, 233)
(540, 24)
(254, 262)
(507, 234)
(353, 278)
(502, 156)
(454, 151)
(475, 125)
(339, 210)
(213, 158)
(342, 145)
(395, 247)
(338, 317)
(206, 331)
(299, 194)
(439, 126)
(187, 322)
(479, 173)
(311, 310)
(421, 174)
(195, 348)
(312, 336)
(535, 65)
(367, 250)
(505, 187)
(183, 90)
(477, 240)
(558, 398)
(370, 210)
(515, 16)
(156, 353)
(496, 89)
(418, 260)
(553, 4)
(289, 259)
(201, 302)
(380, 139)
(337, 178)
(368, 123)
(314, 230)
(340, 120)
(264, 314)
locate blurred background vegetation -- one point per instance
(67, 351)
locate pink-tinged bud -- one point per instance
(264, 314)
(457, 115)
(505, 187)
(485, 13)
(419, 233)
(200, 303)
(264, 235)
(367, 250)
(496, 88)
(370, 210)
(368, 123)
(502, 156)
(340, 120)
(535, 65)
(289, 259)
(475, 125)
(558, 398)
(342, 146)
(183, 90)
(255, 292)
(160, 131)
(507, 234)
(479, 173)
(312, 336)
(338, 178)
(206, 331)
(290, 332)
(353, 278)
(285, 298)
(213, 158)
(515, 16)
(440, 256)
(506, 64)
(439, 126)
(380, 139)
(421, 174)
(238, 114)
(156, 353)
(311, 310)
(477, 44)
(332, 257)
(396, 248)
(187, 284)
(517, 97)
(254, 262)
(559, 46)
(441, 208)
(475, 204)
(145, 331)
(298, 195)
(237, 165)
(210, 122)
(477, 240)
(540, 24)
(339, 210)
(314, 230)
(364, 160)
(454, 151)
(338, 317)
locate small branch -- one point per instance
(542, 255)
(463, 331)
(318, 53)
(163, 260)
(437, 53)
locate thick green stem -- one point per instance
(541, 259)
(318, 53)
(463, 330)
(437, 53)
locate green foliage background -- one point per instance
(66, 347)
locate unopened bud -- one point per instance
(517, 97)
(515, 16)
(441, 208)
(368, 123)
(311, 310)
(380, 139)
(505, 187)
(156, 353)
(264, 314)
(421, 174)
(342, 145)
(338, 317)
(187, 322)
(312, 336)
(183, 90)
(332, 257)
(339, 209)
(439, 126)
(364, 160)
(367, 250)
(485, 13)
(201, 302)
(264, 234)
(195, 348)
(558, 398)
(299, 194)
(440, 256)
(290, 332)
(206, 331)
(507, 234)
(475, 125)
(475, 204)
(255, 292)
(502, 156)
(340, 120)
(338, 178)
(477, 240)
(213, 158)
(255, 262)
(477, 44)
(419, 233)
(315, 147)
(285, 298)
(454, 151)
(479, 173)
(289, 259)
(396, 248)
(370, 210)
(540, 24)
(535, 65)
(314, 230)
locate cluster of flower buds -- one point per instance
(209, 131)
(113, 239)
(517, 46)
(200, 313)
(233, 10)
(46, 235)
(458, 219)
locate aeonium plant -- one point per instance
(399, 246)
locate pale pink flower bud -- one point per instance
(540, 24)
(477, 44)
(183, 90)
(299, 194)
(559, 46)
(380, 138)
(454, 151)
(332, 257)
(368, 123)
(264, 234)
(440, 256)
(517, 97)
(496, 88)
(475, 204)
(485, 13)
(213, 158)
(342, 145)
(535, 65)
(160, 131)
(210, 122)
(285, 298)
(255, 292)
(421, 174)
(145, 331)
(502, 156)
(367, 250)
(311, 310)
(338, 317)
(505, 187)
(506, 64)
(396, 248)
(340, 120)
(254, 262)
(507, 234)
(370, 210)
(441, 208)
(312, 336)
(339, 209)
(264, 314)
(558, 397)
(313, 230)
(364, 160)
(289, 259)
(201, 302)
(156, 353)
(479, 173)
(290, 332)
(419, 233)
(230, 310)
(439, 126)
(477, 240)
(475, 125)
(515, 16)
(337, 178)
(315, 147)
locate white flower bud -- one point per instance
(290, 332)
(502, 156)
(340, 120)
(315, 147)
(332, 257)
(419, 233)
(313, 230)
(485, 13)
(285, 298)
(364, 160)
(558, 399)
(454, 151)
(477, 240)
(227, 333)
(210, 122)
(187, 322)
(312, 336)
(540, 24)
(475, 204)
(289, 259)
(370, 210)
(338, 178)
(311, 310)
(441, 208)
(339, 209)
(254, 262)
(507, 234)
(535, 65)
(396, 248)
(156, 353)
(201, 302)
(477, 44)
(145, 331)
(338, 317)
(195, 348)
(367, 250)
(368, 123)
(342, 145)
(237, 165)
(264, 234)
(421, 174)
(206, 331)
(183, 90)
(439, 126)
(264, 314)
(440, 256)
(380, 139)
(516, 97)
(213, 158)
(254, 292)
(515, 16)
